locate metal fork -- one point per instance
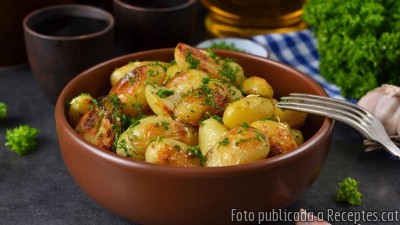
(346, 112)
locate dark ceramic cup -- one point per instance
(64, 40)
(149, 24)
(12, 46)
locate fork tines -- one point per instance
(341, 110)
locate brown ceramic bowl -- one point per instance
(154, 194)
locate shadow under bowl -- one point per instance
(154, 194)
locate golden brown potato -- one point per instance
(240, 145)
(188, 57)
(210, 99)
(210, 131)
(134, 141)
(102, 123)
(131, 88)
(257, 86)
(186, 81)
(295, 119)
(120, 72)
(247, 110)
(280, 138)
(78, 107)
(174, 153)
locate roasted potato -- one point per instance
(257, 86)
(295, 119)
(247, 110)
(120, 72)
(78, 106)
(210, 99)
(161, 100)
(131, 88)
(186, 81)
(279, 136)
(231, 71)
(240, 145)
(210, 131)
(102, 123)
(134, 141)
(174, 153)
(188, 57)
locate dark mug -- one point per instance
(64, 40)
(150, 24)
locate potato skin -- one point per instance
(171, 152)
(131, 88)
(240, 145)
(280, 138)
(210, 99)
(295, 119)
(134, 141)
(186, 81)
(257, 86)
(120, 72)
(101, 124)
(188, 57)
(78, 107)
(247, 110)
(210, 131)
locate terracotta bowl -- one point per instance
(154, 194)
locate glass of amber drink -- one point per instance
(245, 18)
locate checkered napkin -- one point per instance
(297, 49)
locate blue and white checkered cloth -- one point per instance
(297, 49)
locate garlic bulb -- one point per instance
(384, 103)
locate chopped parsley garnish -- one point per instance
(193, 63)
(229, 72)
(196, 152)
(163, 93)
(224, 141)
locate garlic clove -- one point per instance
(384, 103)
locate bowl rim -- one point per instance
(62, 123)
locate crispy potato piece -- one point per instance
(280, 138)
(120, 72)
(257, 86)
(188, 57)
(78, 107)
(102, 123)
(210, 99)
(186, 81)
(247, 110)
(174, 153)
(240, 145)
(131, 88)
(135, 140)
